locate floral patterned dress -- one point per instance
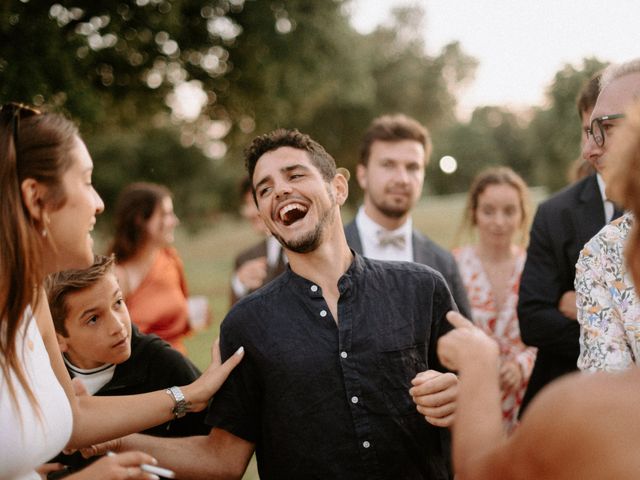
(501, 325)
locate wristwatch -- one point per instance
(181, 407)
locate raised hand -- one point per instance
(465, 344)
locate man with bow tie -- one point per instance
(394, 153)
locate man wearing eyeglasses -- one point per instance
(608, 307)
(546, 305)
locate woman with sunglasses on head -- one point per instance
(48, 210)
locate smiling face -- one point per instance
(296, 204)
(392, 179)
(69, 227)
(614, 99)
(162, 224)
(498, 215)
(98, 325)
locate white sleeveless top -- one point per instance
(27, 439)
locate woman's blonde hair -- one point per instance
(486, 178)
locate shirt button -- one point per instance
(343, 354)
(323, 313)
(314, 288)
(366, 444)
(354, 399)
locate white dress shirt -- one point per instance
(371, 248)
(608, 204)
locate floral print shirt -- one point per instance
(501, 325)
(608, 307)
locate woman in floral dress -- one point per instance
(497, 212)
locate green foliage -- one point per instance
(554, 131)
(493, 136)
(114, 65)
(156, 155)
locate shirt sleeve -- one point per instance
(442, 303)
(603, 344)
(235, 408)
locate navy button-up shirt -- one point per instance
(325, 399)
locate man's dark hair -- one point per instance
(294, 139)
(588, 95)
(62, 284)
(393, 128)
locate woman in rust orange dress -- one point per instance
(149, 270)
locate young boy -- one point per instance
(108, 353)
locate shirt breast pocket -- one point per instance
(396, 369)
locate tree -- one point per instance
(554, 131)
(493, 136)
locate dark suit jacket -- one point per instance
(256, 251)
(561, 227)
(426, 252)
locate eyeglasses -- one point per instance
(597, 129)
(11, 113)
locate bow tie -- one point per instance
(386, 238)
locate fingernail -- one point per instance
(240, 351)
(154, 461)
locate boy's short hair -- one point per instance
(61, 284)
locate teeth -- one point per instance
(292, 206)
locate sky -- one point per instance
(520, 44)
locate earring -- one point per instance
(44, 233)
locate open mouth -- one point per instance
(291, 213)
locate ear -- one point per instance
(341, 186)
(62, 342)
(33, 194)
(361, 175)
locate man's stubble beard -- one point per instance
(391, 211)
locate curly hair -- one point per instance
(281, 137)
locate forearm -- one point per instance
(192, 458)
(98, 419)
(477, 427)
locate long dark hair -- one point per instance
(134, 208)
(37, 146)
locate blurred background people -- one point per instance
(149, 269)
(261, 262)
(497, 211)
(394, 154)
(547, 300)
(608, 307)
(582, 427)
